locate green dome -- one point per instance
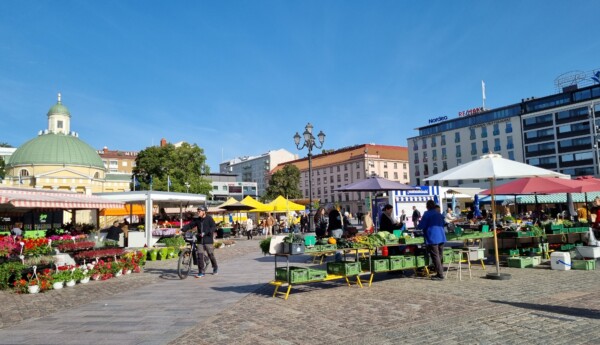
(50, 149)
(58, 108)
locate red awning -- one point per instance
(50, 199)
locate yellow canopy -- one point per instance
(228, 202)
(258, 206)
(281, 204)
(138, 210)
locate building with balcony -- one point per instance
(256, 168)
(225, 186)
(557, 132)
(332, 170)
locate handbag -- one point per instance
(451, 227)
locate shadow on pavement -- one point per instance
(556, 309)
(164, 273)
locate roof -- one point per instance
(117, 177)
(11, 198)
(59, 109)
(386, 152)
(51, 149)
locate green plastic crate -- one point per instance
(396, 262)
(410, 261)
(344, 268)
(422, 260)
(447, 257)
(378, 264)
(310, 240)
(588, 265)
(312, 249)
(520, 262)
(397, 233)
(410, 240)
(511, 252)
(314, 274)
(297, 274)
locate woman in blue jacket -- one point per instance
(432, 224)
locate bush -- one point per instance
(265, 245)
(176, 241)
(8, 270)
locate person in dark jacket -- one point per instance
(206, 228)
(387, 221)
(432, 224)
(114, 231)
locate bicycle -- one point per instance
(189, 256)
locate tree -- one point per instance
(285, 182)
(2, 163)
(186, 163)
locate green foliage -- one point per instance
(186, 163)
(175, 242)
(294, 238)
(8, 269)
(285, 182)
(567, 223)
(265, 245)
(2, 169)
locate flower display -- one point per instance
(100, 253)
(8, 246)
(75, 246)
(36, 246)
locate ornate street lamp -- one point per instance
(309, 143)
(187, 187)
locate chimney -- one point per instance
(163, 142)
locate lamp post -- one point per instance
(309, 143)
(187, 187)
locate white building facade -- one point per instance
(256, 168)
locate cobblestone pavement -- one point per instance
(537, 306)
(17, 308)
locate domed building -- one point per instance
(57, 159)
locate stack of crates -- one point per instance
(297, 274)
(378, 264)
(344, 268)
(588, 265)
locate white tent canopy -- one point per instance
(148, 198)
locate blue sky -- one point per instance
(241, 77)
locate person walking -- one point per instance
(206, 228)
(432, 225)
(403, 219)
(249, 227)
(387, 221)
(416, 216)
(269, 222)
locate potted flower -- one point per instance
(79, 274)
(29, 285)
(59, 277)
(71, 281)
(116, 268)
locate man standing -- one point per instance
(387, 221)
(270, 221)
(206, 229)
(249, 227)
(416, 216)
(113, 232)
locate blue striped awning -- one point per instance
(413, 198)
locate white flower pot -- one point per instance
(33, 288)
(57, 285)
(128, 272)
(85, 280)
(96, 277)
(118, 274)
(70, 283)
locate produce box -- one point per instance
(511, 252)
(297, 274)
(422, 260)
(448, 257)
(476, 253)
(588, 265)
(410, 261)
(410, 240)
(397, 233)
(396, 262)
(520, 262)
(551, 226)
(293, 248)
(379, 264)
(537, 260)
(326, 247)
(311, 249)
(344, 268)
(314, 274)
(396, 241)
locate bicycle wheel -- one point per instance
(184, 266)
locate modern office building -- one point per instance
(557, 132)
(256, 168)
(225, 186)
(341, 167)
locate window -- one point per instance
(385, 174)
(395, 175)
(224, 188)
(473, 148)
(318, 172)
(346, 177)
(331, 178)
(215, 187)
(424, 145)
(318, 180)
(385, 164)
(509, 142)
(345, 167)
(357, 175)
(457, 137)
(496, 130)
(443, 140)
(434, 155)
(395, 165)
(416, 157)
(508, 128)
(497, 146)
(444, 166)
(473, 135)
(59, 124)
(415, 145)
(357, 164)
(433, 142)
(124, 163)
(405, 175)
(330, 169)
(338, 168)
(458, 154)
(339, 178)
(403, 165)
(485, 148)
(425, 157)
(23, 172)
(444, 156)
(484, 132)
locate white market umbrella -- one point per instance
(492, 167)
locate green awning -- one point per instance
(556, 198)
